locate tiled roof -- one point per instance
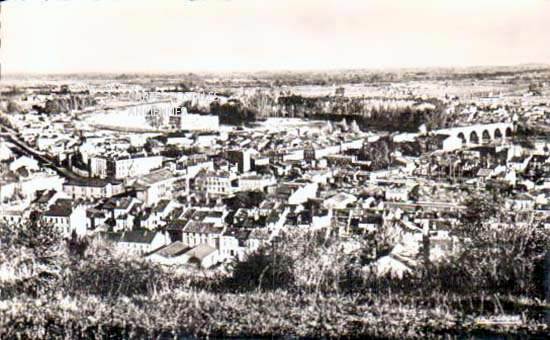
(124, 203)
(161, 205)
(138, 236)
(46, 196)
(202, 228)
(89, 182)
(178, 224)
(156, 177)
(113, 237)
(172, 250)
(201, 251)
(259, 234)
(61, 207)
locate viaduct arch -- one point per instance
(480, 133)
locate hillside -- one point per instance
(55, 289)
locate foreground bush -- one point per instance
(113, 277)
(181, 313)
(264, 269)
(306, 286)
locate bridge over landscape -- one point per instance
(480, 133)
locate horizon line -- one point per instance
(290, 70)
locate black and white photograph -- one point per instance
(275, 169)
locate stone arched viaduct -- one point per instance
(481, 133)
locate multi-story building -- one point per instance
(68, 216)
(140, 242)
(196, 233)
(92, 189)
(153, 187)
(11, 215)
(256, 182)
(98, 167)
(121, 168)
(233, 244)
(130, 167)
(242, 158)
(216, 183)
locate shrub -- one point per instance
(111, 277)
(504, 261)
(264, 269)
(30, 256)
(77, 246)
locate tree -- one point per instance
(245, 199)
(379, 153)
(184, 88)
(14, 107)
(52, 106)
(535, 89)
(172, 151)
(77, 246)
(480, 207)
(261, 102)
(264, 269)
(233, 112)
(505, 261)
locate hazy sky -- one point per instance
(184, 35)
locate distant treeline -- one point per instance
(381, 117)
(405, 118)
(276, 79)
(405, 121)
(59, 105)
(234, 112)
(369, 77)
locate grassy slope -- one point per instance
(51, 295)
(187, 312)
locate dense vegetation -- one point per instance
(233, 113)
(384, 117)
(303, 285)
(59, 105)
